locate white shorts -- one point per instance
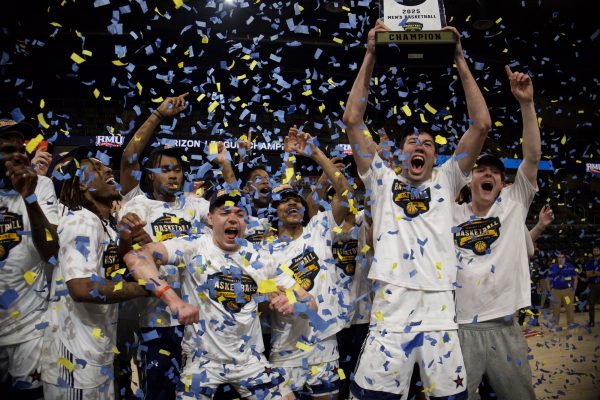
(318, 379)
(387, 360)
(22, 362)
(253, 380)
(104, 392)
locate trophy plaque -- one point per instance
(416, 38)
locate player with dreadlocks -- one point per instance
(87, 284)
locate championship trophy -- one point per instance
(415, 38)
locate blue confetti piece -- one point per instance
(417, 341)
(7, 298)
(151, 335)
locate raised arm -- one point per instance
(363, 146)
(545, 218)
(304, 145)
(143, 265)
(224, 161)
(319, 191)
(522, 88)
(130, 160)
(480, 123)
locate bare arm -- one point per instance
(480, 122)
(225, 164)
(130, 160)
(143, 265)
(522, 88)
(108, 292)
(363, 147)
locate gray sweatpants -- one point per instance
(497, 349)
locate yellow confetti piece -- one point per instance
(157, 100)
(289, 174)
(178, 3)
(77, 59)
(253, 65)
(141, 282)
(438, 265)
(175, 219)
(213, 106)
(213, 147)
(96, 93)
(56, 24)
(365, 248)
(423, 120)
(49, 237)
(563, 140)
(406, 110)
(267, 286)
(498, 20)
(33, 143)
(379, 315)
(394, 266)
(97, 333)
(342, 374)
(314, 370)
(430, 108)
(567, 300)
(443, 307)
(307, 92)
(286, 270)
(15, 314)
(86, 53)
(164, 352)
(289, 293)
(303, 346)
(66, 363)
(204, 39)
(337, 229)
(42, 103)
(241, 77)
(118, 286)
(439, 139)
(338, 40)
(119, 63)
(539, 121)
(116, 350)
(29, 277)
(505, 50)
(139, 88)
(230, 203)
(42, 121)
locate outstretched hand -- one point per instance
(379, 27)
(546, 215)
(520, 85)
(297, 142)
(458, 51)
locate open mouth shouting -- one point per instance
(487, 187)
(231, 233)
(417, 164)
(110, 180)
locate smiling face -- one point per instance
(98, 181)
(290, 211)
(486, 183)
(419, 156)
(228, 224)
(168, 182)
(11, 148)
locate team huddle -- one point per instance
(230, 279)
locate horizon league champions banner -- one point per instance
(414, 15)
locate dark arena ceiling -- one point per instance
(98, 67)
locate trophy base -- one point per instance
(415, 49)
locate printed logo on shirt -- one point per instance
(167, 226)
(345, 255)
(306, 267)
(478, 235)
(410, 199)
(258, 236)
(10, 226)
(233, 292)
(111, 262)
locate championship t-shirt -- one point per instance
(88, 249)
(164, 221)
(494, 279)
(23, 298)
(224, 286)
(311, 260)
(411, 226)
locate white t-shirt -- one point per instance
(164, 221)
(88, 249)
(494, 277)
(257, 229)
(311, 260)
(224, 286)
(135, 192)
(361, 285)
(414, 265)
(411, 226)
(22, 279)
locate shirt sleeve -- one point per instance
(47, 199)
(454, 176)
(373, 177)
(136, 191)
(521, 191)
(81, 246)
